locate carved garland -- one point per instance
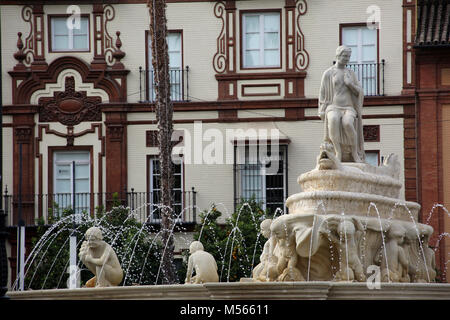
(69, 107)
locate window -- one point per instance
(259, 178)
(71, 183)
(63, 38)
(261, 40)
(155, 189)
(174, 44)
(373, 157)
(364, 60)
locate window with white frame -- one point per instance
(155, 189)
(261, 175)
(69, 37)
(364, 44)
(174, 45)
(72, 180)
(261, 40)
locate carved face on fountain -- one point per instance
(327, 159)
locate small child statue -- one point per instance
(100, 259)
(266, 270)
(203, 263)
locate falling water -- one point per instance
(382, 238)
(437, 205)
(418, 237)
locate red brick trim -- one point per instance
(408, 46)
(23, 133)
(116, 152)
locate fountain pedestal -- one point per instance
(348, 223)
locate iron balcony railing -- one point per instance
(144, 206)
(179, 84)
(371, 77)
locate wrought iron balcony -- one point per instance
(143, 205)
(371, 77)
(179, 84)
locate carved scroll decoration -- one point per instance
(220, 59)
(109, 15)
(301, 55)
(28, 49)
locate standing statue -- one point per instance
(204, 264)
(100, 259)
(340, 106)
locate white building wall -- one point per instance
(214, 182)
(200, 31)
(320, 25)
(200, 43)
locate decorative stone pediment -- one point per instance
(69, 107)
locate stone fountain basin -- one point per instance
(350, 181)
(313, 290)
(352, 203)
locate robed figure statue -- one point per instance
(340, 106)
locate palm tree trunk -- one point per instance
(164, 112)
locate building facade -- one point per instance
(79, 120)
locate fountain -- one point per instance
(362, 220)
(347, 235)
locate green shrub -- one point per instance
(236, 245)
(138, 253)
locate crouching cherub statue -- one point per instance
(100, 259)
(203, 263)
(393, 259)
(266, 270)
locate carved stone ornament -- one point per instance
(371, 133)
(69, 107)
(23, 134)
